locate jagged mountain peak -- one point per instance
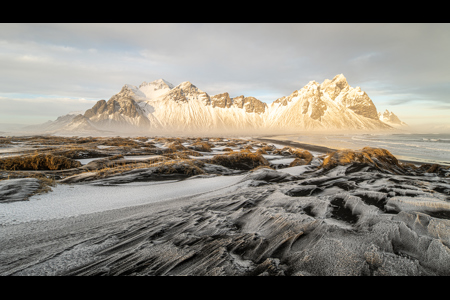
(186, 85)
(390, 118)
(340, 80)
(332, 104)
(158, 84)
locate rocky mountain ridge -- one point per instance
(161, 106)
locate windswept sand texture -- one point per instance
(221, 206)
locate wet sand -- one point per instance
(309, 147)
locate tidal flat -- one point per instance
(217, 206)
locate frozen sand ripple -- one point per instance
(17, 189)
(326, 229)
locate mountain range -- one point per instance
(161, 107)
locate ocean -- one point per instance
(427, 148)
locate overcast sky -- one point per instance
(48, 70)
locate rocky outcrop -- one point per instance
(253, 105)
(249, 104)
(186, 92)
(221, 100)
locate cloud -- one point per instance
(39, 109)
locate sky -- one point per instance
(49, 70)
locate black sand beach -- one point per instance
(249, 213)
(309, 147)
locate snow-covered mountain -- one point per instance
(391, 119)
(159, 106)
(330, 105)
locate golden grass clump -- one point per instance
(282, 151)
(216, 139)
(121, 142)
(141, 138)
(240, 160)
(202, 146)
(184, 154)
(268, 148)
(5, 141)
(261, 151)
(227, 150)
(182, 166)
(374, 156)
(175, 146)
(38, 161)
(45, 184)
(303, 157)
(77, 152)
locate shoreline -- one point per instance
(309, 147)
(323, 149)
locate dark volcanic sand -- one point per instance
(350, 219)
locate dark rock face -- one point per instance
(221, 100)
(250, 104)
(253, 105)
(124, 106)
(98, 108)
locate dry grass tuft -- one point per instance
(5, 141)
(216, 139)
(182, 154)
(181, 166)
(121, 142)
(299, 162)
(175, 146)
(261, 151)
(268, 148)
(38, 161)
(283, 151)
(245, 151)
(377, 157)
(303, 157)
(202, 146)
(240, 160)
(77, 153)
